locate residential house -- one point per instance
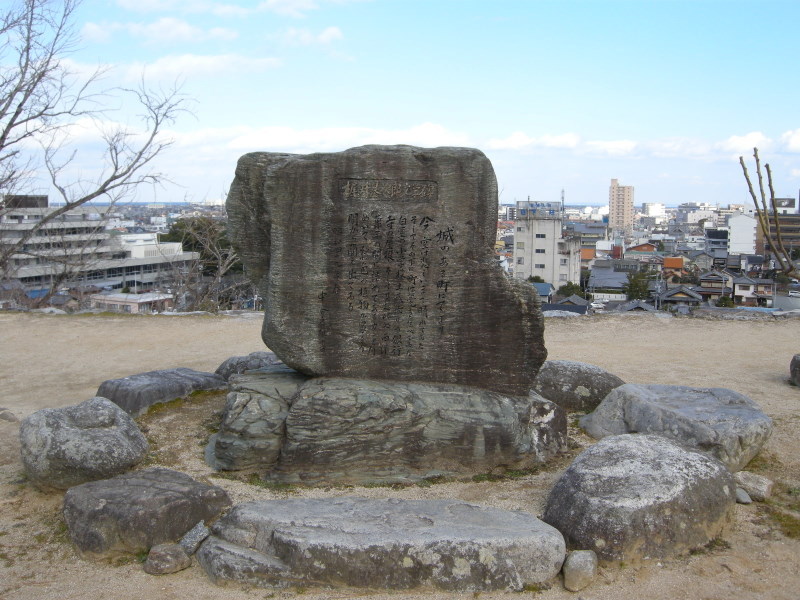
(714, 285)
(751, 291)
(681, 295)
(545, 291)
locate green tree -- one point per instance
(535, 279)
(636, 288)
(725, 302)
(569, 289)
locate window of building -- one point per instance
(562, 277)
(520, 229)
(564, 261)
(541, 235)
(744, 288)
(520, 245)
(540, 251)
(540, 266)
(520, 261)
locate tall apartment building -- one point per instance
(540, 247)
(620, 206)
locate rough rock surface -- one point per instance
(794, 369)
(395, 252)
(575, 386)
(758, 487)
(191, 541)
(136, 393)
(579, 570)
(252, 431)
(63, 447)
(7, 415)
(164, 559)
(724, 423)
(253, 361)
(353, 431)
(136, 511)
(396, 544)
(636, 496)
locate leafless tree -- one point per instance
(42, 96)
(767, 214)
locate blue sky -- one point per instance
(662, 95)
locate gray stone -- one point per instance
(579, 570)
(136, 393)
(63, 447)
(724, 423)
(252, 362)
(164, 559)
(329, 430)
(758, 487)
(133, 512)
(742, 497)
(194, 537)
(575, 386)
(252, 431)
(396, 544)
(633, 497)
(7, 415)
(794, 370)
(378, 263)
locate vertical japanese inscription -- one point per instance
(391, 270)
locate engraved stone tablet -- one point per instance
(378, 263)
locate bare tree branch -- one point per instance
(41, 98)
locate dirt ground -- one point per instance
(53, 360)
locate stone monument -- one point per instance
(378, 263)
(412, 354)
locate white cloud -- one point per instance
(304, 37)
(613, 147)
(744, 144)
(329, 139)
(165, 30)
(791, 140)
(678, 148)
(187, 65)
(185, 6)
(519, 140)
(289, 8)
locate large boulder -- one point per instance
(575, 386)
(354, 431)
(633, 497)
(253, 428)
(394, 249)
(724, 423)
(136, 393)
(794, 370)
(250, 362)
(63, 447)
(396, 544)
(133, 512)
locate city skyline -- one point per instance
(663, 96)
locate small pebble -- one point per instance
(742, 497)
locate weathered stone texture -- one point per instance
(136, 393)
(575, 386)
(636, 496)
(580, 569)
(63, 447)
(164, 559)
(236, 365)
(393, 543)
(378, 263)
(724, 423)
(794, 370)
(350, 431)
(133, 512)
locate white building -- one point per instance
(742, 234)
(75, 249)
(540, 247)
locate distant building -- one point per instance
(76, 250)
(540, 246)
(620, 206)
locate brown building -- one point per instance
(790, 233)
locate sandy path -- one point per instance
(60, 360)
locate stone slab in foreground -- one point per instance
(634, 497)
(724, 423)
(395, 544)
(378, 263)
(136, 393)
